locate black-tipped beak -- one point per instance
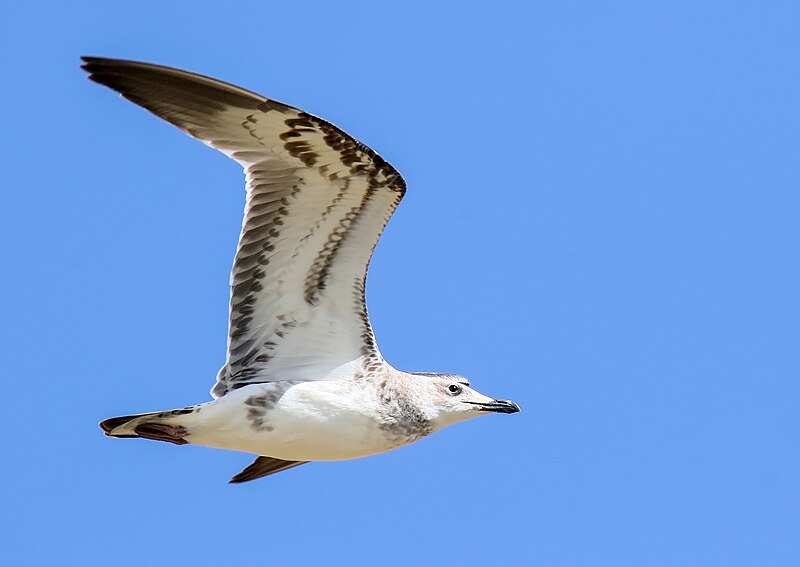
(498, 406)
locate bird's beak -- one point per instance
(498, 406)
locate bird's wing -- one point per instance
(317, 202)
(264, 466)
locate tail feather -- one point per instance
(160, 426)
(109, 425)
(162, 432)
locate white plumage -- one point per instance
(303, 379)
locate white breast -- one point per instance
(307, 421)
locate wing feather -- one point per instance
(317, 202)
(264, 466)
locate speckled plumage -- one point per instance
(304, 379)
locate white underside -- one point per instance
(312, 421)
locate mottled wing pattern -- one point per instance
(317, 202)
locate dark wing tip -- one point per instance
(97, 68)
(136, 80)
(264, 466)
(108, 72)
(192, 102)
(187, 100)
(89, 60)
(102, 67)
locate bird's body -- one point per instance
(324, 420)
(304, 380)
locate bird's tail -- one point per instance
(160, 425)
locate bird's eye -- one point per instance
(454, 389)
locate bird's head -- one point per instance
(450, 399)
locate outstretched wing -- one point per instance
(317, 202)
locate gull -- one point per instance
(303, 380)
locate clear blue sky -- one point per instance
(602, 223)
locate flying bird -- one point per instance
(304, 379)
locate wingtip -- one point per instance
(86, 62)
(93, 64)
(90, 60)
(239, 478)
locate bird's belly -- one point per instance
(311, 421)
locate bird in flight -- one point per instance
(304, 379)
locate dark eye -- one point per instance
(454, 389)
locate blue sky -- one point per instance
(601, 224)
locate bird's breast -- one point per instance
(306, 421)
